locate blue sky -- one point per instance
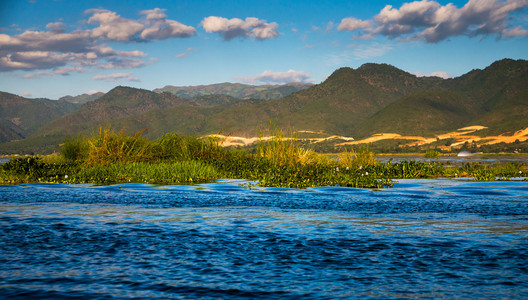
(65, 47)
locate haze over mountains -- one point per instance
(236, 90)
(373, 98)
(81, 99)
(21, 116)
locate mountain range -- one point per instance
(236, 90)
(374, 98)
(81, 99)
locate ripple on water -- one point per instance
(420, 239)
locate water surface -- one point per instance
(421, 239)
(488, 159)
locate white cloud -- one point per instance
(57, 49)
(112, 26)
(103, 51)
(112, 76)
(33, 60)
(517, 31)
(187, 52)
(412, 13)
(116, 76)
(122, 63)
(352, 24)
(165, 29)
(440, 74)
(432, 22)
(57, 27)
(154, 14)
(91, 92)
(269, 77)
(161, 28)
(58, 71)
(90, 56)
(77, 41)
(233, 28)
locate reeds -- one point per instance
(286, 151)
(109, 147)
(114, 157)
(358, 159)
(74, 149)
(283, 163)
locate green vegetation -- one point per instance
(144, 172)
(81, 99)
(432, 154)
(109, 157)
(42, 145)
(20, 117)
(237, 90)
(374, 98)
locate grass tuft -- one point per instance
(114, 157)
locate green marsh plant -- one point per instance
(109, 157)
(432, 154)
(74, 149)
(109, 146)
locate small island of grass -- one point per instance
(111, 157)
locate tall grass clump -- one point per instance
(357, 159)
(285, 151)
(175, 147)
(109, 146)
(281, 162)
(74, 149)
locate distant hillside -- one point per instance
(120, 102)
(501, 92)
(374, 98)
(422, 113)
(236, 90)
(495, 97)
(336, 105)
(81, 99)
(21, 117)
(348, 97)
(9, 131)
(219, 100)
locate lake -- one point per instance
(487, 159)
(420, 239)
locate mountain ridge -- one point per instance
(373, 98)
(82, 99)
(236, 90)
(21, 117)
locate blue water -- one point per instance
(420, 239)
